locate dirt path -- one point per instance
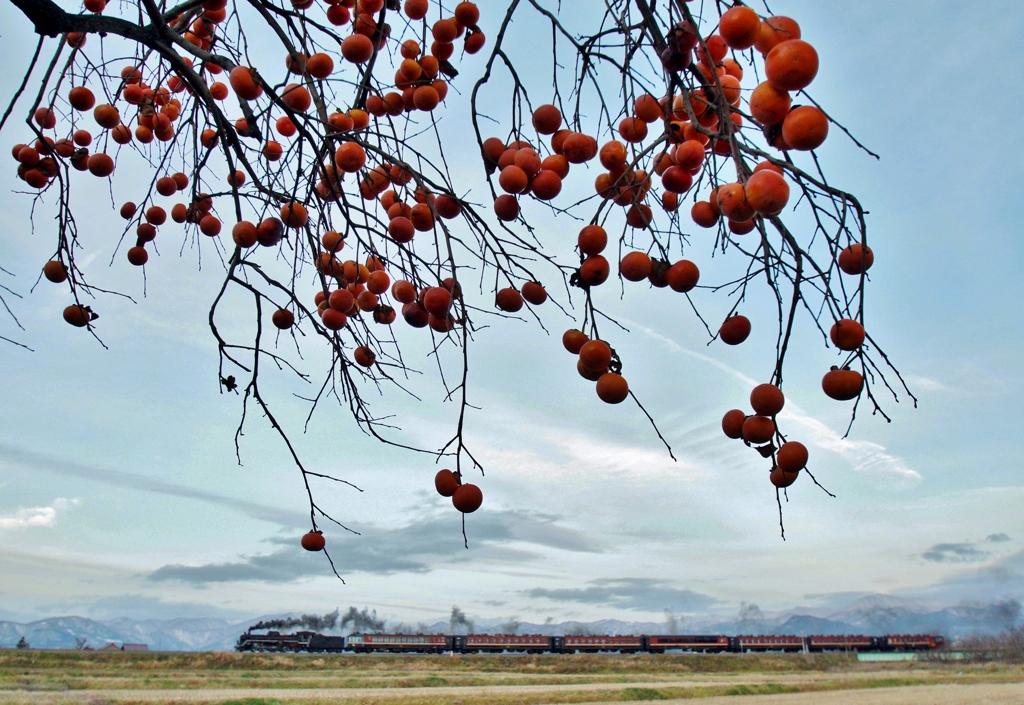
(975, 694)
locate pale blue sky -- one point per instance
(119, 494)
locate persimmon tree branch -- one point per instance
(315, 168)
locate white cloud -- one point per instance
(29, 517)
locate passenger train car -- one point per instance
(570, 644)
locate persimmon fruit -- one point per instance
(357, 48)
(534, 293)
(296, 97)
(758, 429)
(791, 457)
(592, 240)
(244, 84)
(100, 164)
(573, 340)
(588, 374)
(732, 423)
(683, 276)
(635, 266)
(704, 215)
(791, 65)
(416, 9)
(447, 207)
(294, 215)
(547, 119)
(676, 180)
(513, 179)
(612, 388)
(320, 65)
(333, 320)
(508, 300)
(401, 229)
(734, 330)
(332, 241)
(856, 259)
(842, 385)
(313, 541)
(647, 108)
(445, 482)
(805, 128)
(767, 192)
(732, 201)
(363, 355)
(847, 334)
(378, 282)
(596, 355)
(768, 104)
(781, 478)
(81, 98)
(283, 319)
(403, 291)
(77, 315)
(741, 227)
(245, 234)
(775, 30)
(341, 300)
(137, 255)
(595, 270)
(55, 271)
(740, 27)
(767, 400)
(437, 300)
(467, 498)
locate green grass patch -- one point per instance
(766, 689)
(642, 694)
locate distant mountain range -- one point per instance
(160, 634)
(874, 614)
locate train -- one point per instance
(313, 642)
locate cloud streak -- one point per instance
(18, 457)
(864, 456)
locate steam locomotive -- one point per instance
(536, 644)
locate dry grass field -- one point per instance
(41, 677)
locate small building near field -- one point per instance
(126, 647)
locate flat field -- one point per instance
(91, 678)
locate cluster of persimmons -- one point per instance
(790, 64)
